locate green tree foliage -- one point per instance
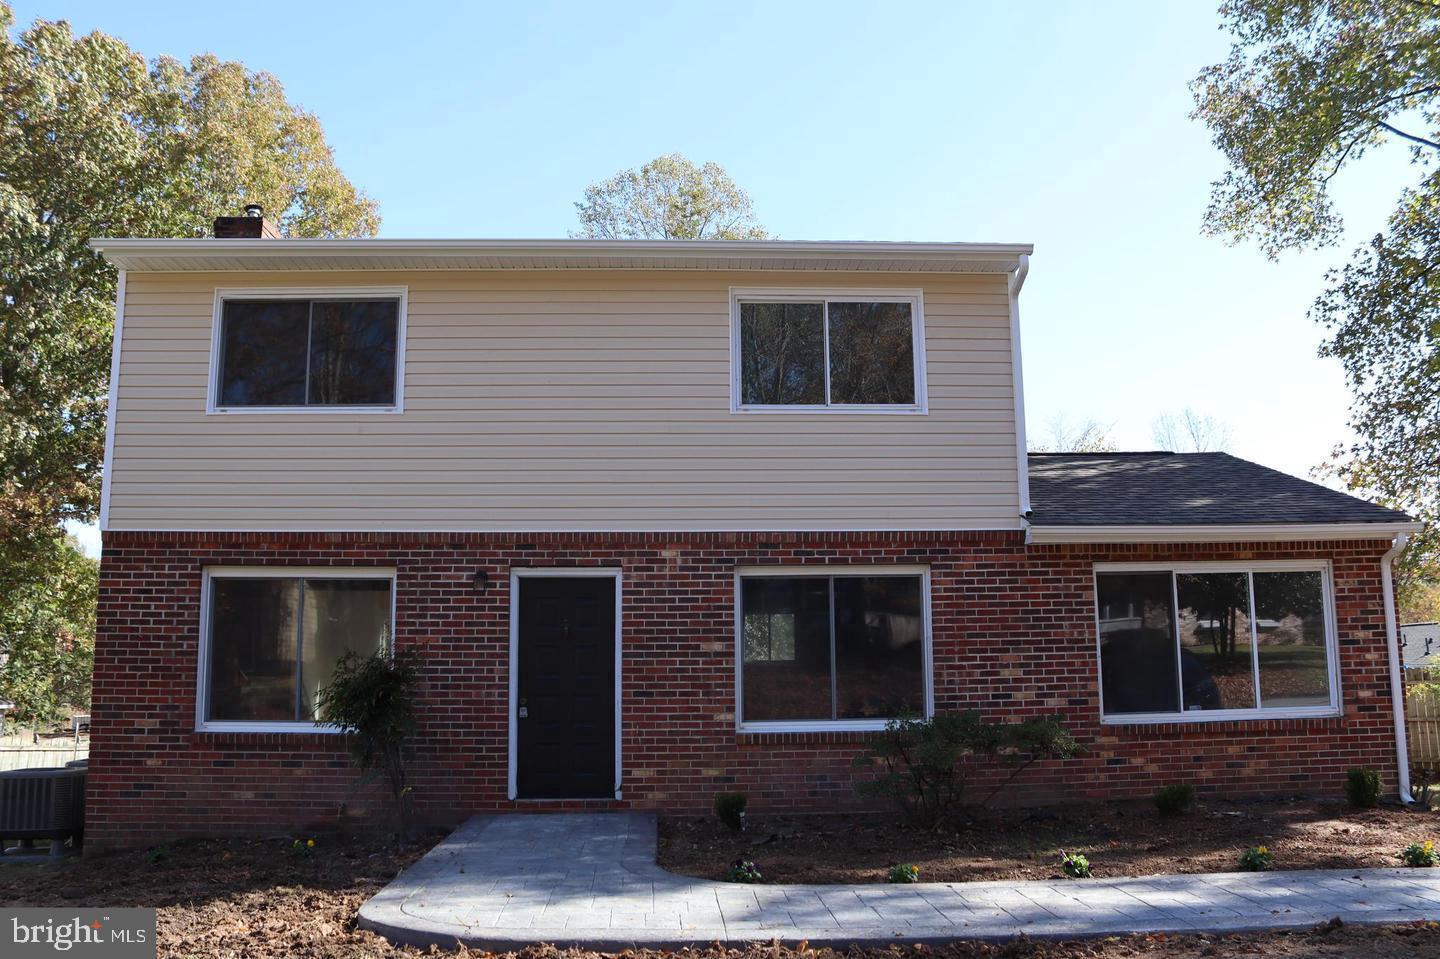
(1309, 87)
(94, 141)
(669, 198)
(47, 635)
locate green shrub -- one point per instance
(1362, 788)
(905, 872)
(926, 765)
(1256, 859)
(372, 698)
(730, 809)
(1074, 865)
(1420, 855)
(1176, 799)
(743, 870)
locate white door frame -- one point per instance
(556, 572)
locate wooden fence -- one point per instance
(1422, 715)
(40, 758)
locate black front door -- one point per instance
(565, 708)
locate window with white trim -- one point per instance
(294, 353)
(848, 351)
(271, 641)
(831, 647)
(1215, 641)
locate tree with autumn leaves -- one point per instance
(96, 140)
(1310, 87)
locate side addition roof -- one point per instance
(1162, 496)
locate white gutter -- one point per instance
(1017, 380)
(1235, 533)
(1397, 681)
(107, 473)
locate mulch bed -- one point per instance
(258, 899)
(1120, 839)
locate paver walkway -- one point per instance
(590, 879)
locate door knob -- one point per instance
(524, 711)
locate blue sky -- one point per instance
(1061, 124)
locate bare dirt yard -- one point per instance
(1120, 839)
(261, 900)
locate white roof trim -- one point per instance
(139, 255)
(1256, 533)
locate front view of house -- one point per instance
(666, 519)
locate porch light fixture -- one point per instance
(482, 580)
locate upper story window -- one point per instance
(287, 352)
(851, 351)
(1216, 641)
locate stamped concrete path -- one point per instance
(590, 879)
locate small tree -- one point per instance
(927, 765)
(372, 698)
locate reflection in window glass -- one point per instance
(273, 643)
(352, 352)
(252, 648)
(1137, 643)
(872, 358)
(1290, 623)
(879, 647)
(1216, 662)
(262, 353)
(782, 354)
(768, 636)
(341, 615)
(796, 686)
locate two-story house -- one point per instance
(673, 518)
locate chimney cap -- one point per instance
(254, 209)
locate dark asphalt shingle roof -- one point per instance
(1182, 489)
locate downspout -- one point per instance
(1397, 682)
(1017, 377)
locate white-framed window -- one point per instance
(1197, 642)
(831, 648)
(833, 350)
(270, 638)
(311, 350)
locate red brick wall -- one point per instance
(1013, 630)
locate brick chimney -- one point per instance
(251, 226)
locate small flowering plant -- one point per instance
(1074, 865)
(743, 870)
(302, 847)
(905, 872)
(1420, 855)
(1256, 859)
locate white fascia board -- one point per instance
(1279, 532)
(145, 254)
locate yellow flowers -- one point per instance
(1421, 854)
(1262, 850)
(310, 843)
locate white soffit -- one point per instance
(211, 255)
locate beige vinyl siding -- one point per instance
(563, 400)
